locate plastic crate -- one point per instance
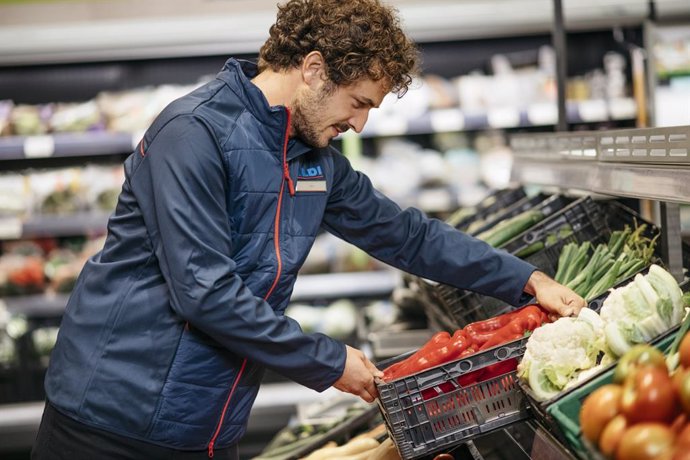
(526, 203)
(431, 410)
(587, 221)
(494, 202)
(584, 217)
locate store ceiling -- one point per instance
(64, 31)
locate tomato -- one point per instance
(684, 351)
(598, 409)
(444, 457)
(638, 356)
(645, 441)
(679, 423)
(648, 396)
(681, 385)
(612, 434)
(683, 439)
(681, 454)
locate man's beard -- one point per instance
(305, 116)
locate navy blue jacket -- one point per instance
(170, 326)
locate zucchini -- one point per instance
(508, 229)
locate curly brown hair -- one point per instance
(357, 38)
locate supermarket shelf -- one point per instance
(43, 305)
(664, 183)
(99, 143)
(84, 223)
(570, 175)
(355, 284)
(649, 163)
(455, 119)
(307, 287)
(19, 425)
(66, 145)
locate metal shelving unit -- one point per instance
(543, 114)
(95, 143)
(645, 163)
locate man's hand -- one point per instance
(559, 300)
(358, 376)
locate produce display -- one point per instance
(60, 191)
(560, 354)
(643, 413)
(295, 439)
(443, 348)
(12, 327)
(591, 271)
(365, 446)
(45, 265)
(550, 239)
(507, 229)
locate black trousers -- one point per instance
(63, 438)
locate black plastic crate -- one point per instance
(438, 318)
(520, 206)
(496, 201)
(583, 217)
(431, 410)
(587, 222)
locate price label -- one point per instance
(10, 228)
(504, 118)
(39, 146)
(447, 120)
(391, 125)
(594, 110)
(542, 114)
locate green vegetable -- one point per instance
(504, 231)
(558, 352)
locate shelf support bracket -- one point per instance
(671, 241)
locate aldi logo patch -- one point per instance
(310, 171)
(311, 179)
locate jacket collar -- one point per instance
(238, 74)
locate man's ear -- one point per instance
(313, 68)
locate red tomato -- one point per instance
(683, 439)
(637, 357)
(681, 384)
(648, 396)
(645, 441)
(611, 435)
(598, 410)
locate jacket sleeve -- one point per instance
(409, 240)
(181, 185)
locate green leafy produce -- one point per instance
(591, 271)
(641, 310)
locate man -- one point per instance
(169, 328)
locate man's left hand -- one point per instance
(559, 300)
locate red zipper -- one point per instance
(276, 243)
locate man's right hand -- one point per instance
(358, 376)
